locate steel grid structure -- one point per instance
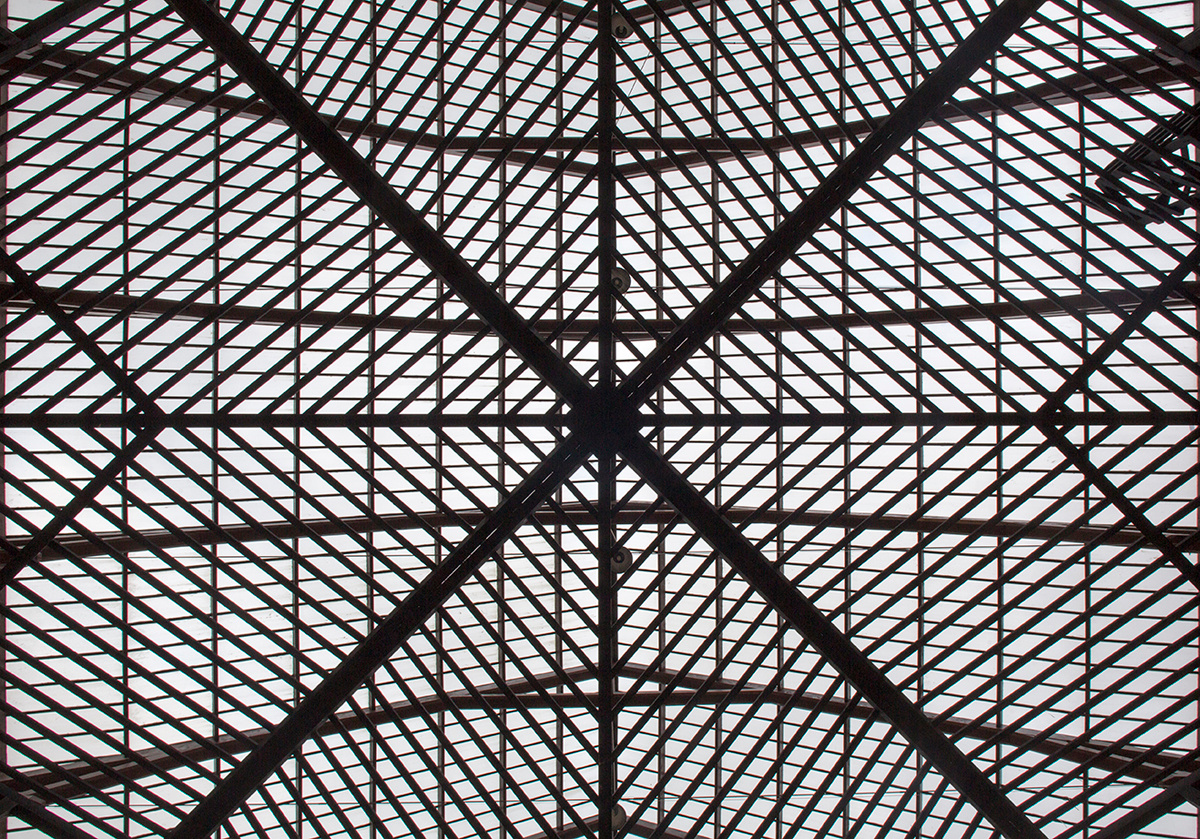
(694, 418)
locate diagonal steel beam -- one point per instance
(38, 816)
(820, 204)
(31, 551)
(1095, 360)
(381, 643)
(45, 301)
(1118, 499)
(1154, 300)
(835, 647)
(1148, 812)
(1161, 36)
(605, 424)
(381, 198)
(458, 274)
(37, 30)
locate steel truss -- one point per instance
(426, 419)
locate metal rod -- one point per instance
(835, 647)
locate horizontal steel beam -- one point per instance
(1127, 75)
(554, 419)
(75, 68)
(822, 635)
(86, 302)
(1148, 812)
(1162, 769)
(110, 771)
(626, 514)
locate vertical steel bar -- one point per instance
(4, 809)
(379, 195)
(377, 647)
(834, 646)
(820, 204)
(606, 224)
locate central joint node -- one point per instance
(607, 419)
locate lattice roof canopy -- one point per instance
(693, 418)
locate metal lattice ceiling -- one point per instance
(437, 418)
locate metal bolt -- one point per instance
(618, 817)
(622, 560)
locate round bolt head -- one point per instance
(622, 560)
(621, 28)
(618, 817)
(621, 281)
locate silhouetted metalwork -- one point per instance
(462, 418)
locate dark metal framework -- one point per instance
(533, 419)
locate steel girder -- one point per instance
(609, 427)
(604, 417)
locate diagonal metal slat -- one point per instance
(378, 194)
(824, 201)
(381, 197)
(820, 631)
(383, 641)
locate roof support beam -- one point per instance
(692, 690)
(627, 514)
(1121, 760)
(555, 419)
(1118, 499)
(1129, 75)
(1151, 811)
(461, 563)
(76, 68)
(726, 299)
(1150, 29)
(836, 648)
(381, 644)
(606, 419)
(1078, 379)
(820, 204)
(71, 67)
(579, 328)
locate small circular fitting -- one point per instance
(621, 28)
(622, 560)
(618, 817)
(621, 281)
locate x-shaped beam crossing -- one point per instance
(604, 419)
